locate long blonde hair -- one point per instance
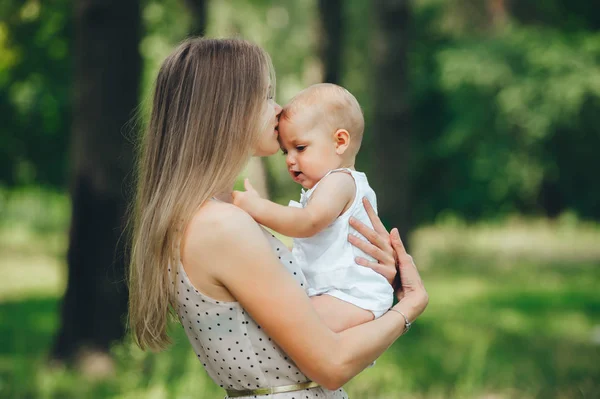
(208, 111)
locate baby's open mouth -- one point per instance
(296, 173)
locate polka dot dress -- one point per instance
(234, 350)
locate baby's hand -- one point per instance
(247, 200)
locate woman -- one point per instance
(194, 254)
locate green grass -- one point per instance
(514, 313)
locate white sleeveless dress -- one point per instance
(234, 350)
(328, 259)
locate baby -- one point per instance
(320, 133)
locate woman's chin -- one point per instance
(267, 152)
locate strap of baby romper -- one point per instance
(337, 170)
(306, 194)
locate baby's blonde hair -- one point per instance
(333, 105)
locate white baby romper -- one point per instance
(328, 259)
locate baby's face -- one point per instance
(309, 148)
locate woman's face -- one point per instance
(268, 144)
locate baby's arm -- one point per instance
(339, 315)
(330, 199)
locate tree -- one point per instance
(199, 11)
(497, 12)
(390, 112)
(106, 75)
(35, 81)
(331, 43)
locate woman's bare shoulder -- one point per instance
(216, 235)
(217, 225)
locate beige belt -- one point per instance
(232, 393)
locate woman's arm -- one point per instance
(243, 262)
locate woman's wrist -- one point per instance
(411, 310)
(407, 323)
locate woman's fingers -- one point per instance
(371, 250)
(379, 246)
(374, 218)
(384, 242)
(386, 271)
(409, 275)
(412, 291)
(397, 243)
(370, 234)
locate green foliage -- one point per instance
(514, 313)
(35, 81)
(504, 121)
(505, 116)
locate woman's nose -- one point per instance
(278, 110)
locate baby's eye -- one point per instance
(300, 148)
(283, 152)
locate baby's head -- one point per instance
(320, 129)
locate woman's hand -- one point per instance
(379, 245)
(392, 258)
(411, 294)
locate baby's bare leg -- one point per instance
(339, 315)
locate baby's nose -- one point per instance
(290, 160)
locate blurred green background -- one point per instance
(504, 105)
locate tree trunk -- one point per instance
(498, 13)
(107, 71)
(330, 48)
(199, 11)
(391, 117)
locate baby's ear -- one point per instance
(342, 141)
